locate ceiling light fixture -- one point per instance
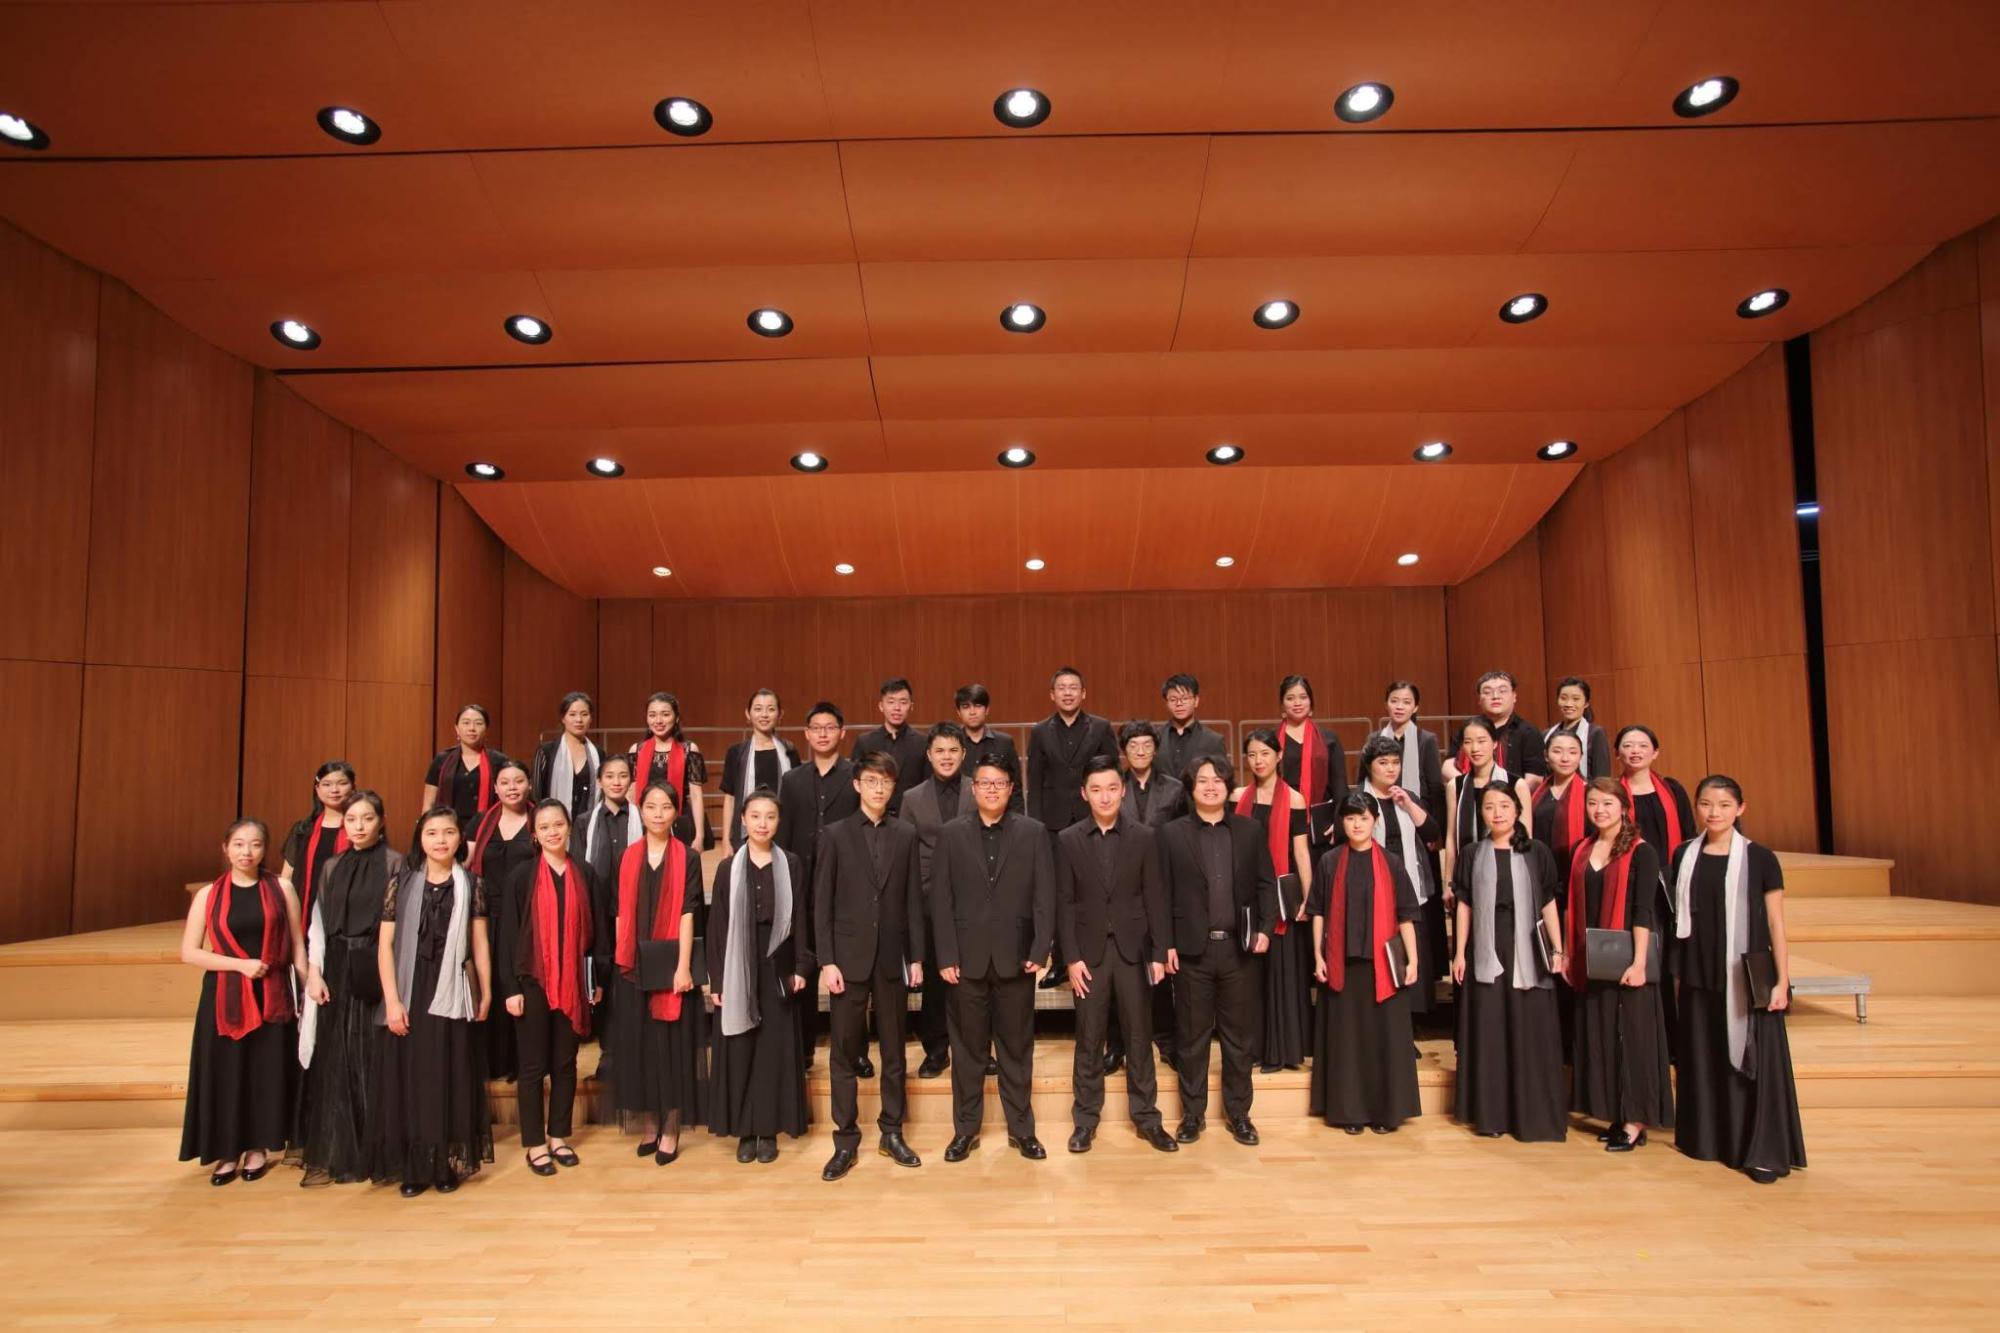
(1364, 102)
(1224, 561)
(1017, 456)
(1810, 509)
(809, 461)
(1757, 306)
(1406, 559)
(1432, 452)
(604, 467)
(348, 125)
(528, 329)
(1036, 565)
(1021, 108)
(768, 322)
(1222, 455)
(1276, 314)
(18, 133)
(683, 116)
(661, 571)
(293, 334)
(1526, 306)
(843, 568)
(485, 471)
(1555, 450)
(1022, 318)
(1706, 97)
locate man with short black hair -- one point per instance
(1152, 797)
(927, 808)
(973, 703)
(1183, 739)
(811, 796)
(1058, 749)
(897, 736)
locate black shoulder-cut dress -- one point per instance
(759, 1086)
(1510, 1060)
(336, 1089)
(659, 1068)
(240, 1093)
(1619, 1052)
(1288, 973)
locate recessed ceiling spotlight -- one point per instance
(18, 133)
(1807, 509)
(1021, 108)
(1036, 565)
(1406, 559)
(1432, 451)
(1276, 314)
(661, 571)
(809, 461)
(293, 334)
(1022, 318)
(843, 568)
(1706, 97)
(770, 323)
(1556, 449)
(1222, 455)
(485, 471)
(528, 329)
(1762, 303)
(1017, 456)
(1224, 561)
(1526, 306)
(683, 116)
(348, 125)
(1364, 102)
(604, 467)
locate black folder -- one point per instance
(659, 958)
(1761, 967)
(1398, 957)
(1545, 946)
(1291, 897)
(1608, 953)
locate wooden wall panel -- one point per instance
(133, 871)
(470, 594)
(955, 647)
(1574, 581)
(290, 727)
(48, 380)
(1989, 345)
(44, 701)
(624, 662)
(1493, 622)
(1760, 733)
(1649, 550)
(1667, 698)
(393, 569)
(170, 492)
(684, 660)
(300, 489)
(1746, 535)
(551, 649)
(389, 748)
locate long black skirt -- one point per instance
(1745, 1123)
(1364, 1068)
(432, 1122)
(1510, 1068)
(659, 1069)
(1618, 1058)
(1288, 980)
(241, 1093)
(759, 1088)
(1433, 958)
(337, 1089)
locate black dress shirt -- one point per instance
(1213, 839)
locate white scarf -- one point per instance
(1527, 973)
(309, 1011)
(750, 770)
(1414, 859)
(1582, 733)
(1412, 779)
(1735, 934)
(562, 777)
(740, 1011)
(600, 817)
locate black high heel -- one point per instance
(666, 1158)
(649, 1147)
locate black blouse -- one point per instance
(1360, 924)
(1640, 877)
(1700, 956)
(1537, 862)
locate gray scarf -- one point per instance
(562, 777)
(1528, 972)
(453, 997)
(1735, 936)
(595, 830)
(750, 772)
(1412, 779)
(1414, 859)
(740, 1012)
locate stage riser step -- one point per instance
(129, 990)
(1911, 967)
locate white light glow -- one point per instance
(661, 571)
(485, 470)
(809, 459)
(604, 467)
(1036, 565)
(1522, 305)
(528, 326)
(1364, 99)
(1018, 455)
(1224, 561)
(1763, 300)
(1406, 559)
(295, 332)
(683, 112)
(1023, 103)
(1704, 92)
(1277, 310)
(349, 122)
(1021, 316)
(843, 568)
(770, 319)
(1435, 449)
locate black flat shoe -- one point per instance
(1079, 1141)
(447, 1185)
(566, 1156)
(838, 1165)
(1623, 1144)
(896, 1150)
(767, 1151)
(1604, 1136)
(257, 1172)
(1188, 1131)
(1489, 1133)
(649, 1147)
(411, 1189)
(1030, 1147)
(1160, 1140)
(1763, 1175)
(1244, 1132)
(746, 1150)
(222, 1177)
(1350, 1129)
(1383, 1129)
(666, 1158)
(864, 1068)
(542, 1166)
(960, 1147)
(1269, 1069)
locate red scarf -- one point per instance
(1278, 830)
(305, 890)
(558, 969)
(489, 823)
(1667, 807)
(238, 1011)
(665, 1004)
(1499, 749)
(454, 761)
(1610, 912)
(1569, 810)
(1383, 923)
(676, 767)
(1312, 746)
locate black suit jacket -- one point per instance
(1131, 905)
(1055, 773)
(1165, 799)
(1000, 746)
(861, 918)
(996, 926)
(922, 813)
(909, 746)
(1254, 882)
(1176, 750)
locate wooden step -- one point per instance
(1907, 946)
(134, 972)
(1811, 875)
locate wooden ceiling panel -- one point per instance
(834, 519)
(955, 531)
(1028, 384)
(974, 443)
(722, 536)
(1081, 524)
(1355, 438)
(696, 314)
(1127, 305)
(556, 454)
(1312, 527)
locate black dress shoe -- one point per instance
(1351, 1129)
(1243, 1131)
(1160, 1139)
(896, 1150)
(411, 1189)
(542, 1166)
(1605, 1136)
(1489, 1133)
(1623, 1144)
(1113, 1063)
(960, 1147)
(257, 1172)
(566, 1156)
(933, 1065)
(1079, 1141)
(1268, 1069)
(1053, 978)
(839, 1164)
(1030, 1147)
(992, 1068)
(666, 1158)
(1763, 1175)
(649, 1147)
(767, 1151)
(746, 1150)
(223, 1177)
(447, 1185)
(864, 1068)
(1383, 1129)
(1189, 1130)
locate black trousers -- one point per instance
(847, 1015)
(547, 1045)
(933, 1025)
(993, 1013)
(1163, 1024)
(1121, 987)
(1219, 993)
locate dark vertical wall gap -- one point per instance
(1805, 485)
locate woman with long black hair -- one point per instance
(1423, 767)
(461, 776)
(566, 765)
(321, 835)
(1272, 802)
(1405, 828)
(503, 842)
(1465, 826)
(666, 755)
(760, 760)
(1310, 757)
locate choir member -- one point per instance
(1619, 1051)
(1510, 1065)
(1365, 1068)
(812, 796)
(1111, 917)
(1152, 796)
(1665, 817)
(894, 700)
(1281, 812)
(1737, 1102)
(1575, 719)
(612, 826)
(541, 971)
(503, 842)
(973, 703)
(461, 776)
(655, 1037)
(566, 766)
(1311, 760)
(758, 962)
(667, 755)
(927, 808)
(1059, 748)
(337, 1044)
(1557, 810)
(1422, 769)
(993, 910)
(1517, 741)
(868, 900)
(1405, 829)
(761, 760)
(1222, 900)
(430, 1122)
(1479, 769)
(1183, 738)
(243, 933)
(321, 835)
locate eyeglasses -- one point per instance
(992, 784)
(822, 729)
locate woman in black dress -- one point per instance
(1423, 770)
(1405, 829)
(1619, 1052)
(503, 842)
(1310, 757)
(1365, 1072)
(667, 756)
(337, 1027)
(1272, 802)
(601, 841)
(431, 1123)
(1738, 1104)
(243, 933)
(566, 765)
(321, 835)
(545, 939)
(761, 760)
(462, 776)
(1510, 1065)
(758, 962)
(1575, 719)
(657, 1053)
(1661, 809)
(1557, 813)
(1464, 825)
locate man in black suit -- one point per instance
(897, 736)
(868, 902)
(812, 796)
(1152, 797)
(973, 703)
(1111, 916)
(1058, 748)
(992, 913)
(927, 808)
(1183, 738)
(1220, 884)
